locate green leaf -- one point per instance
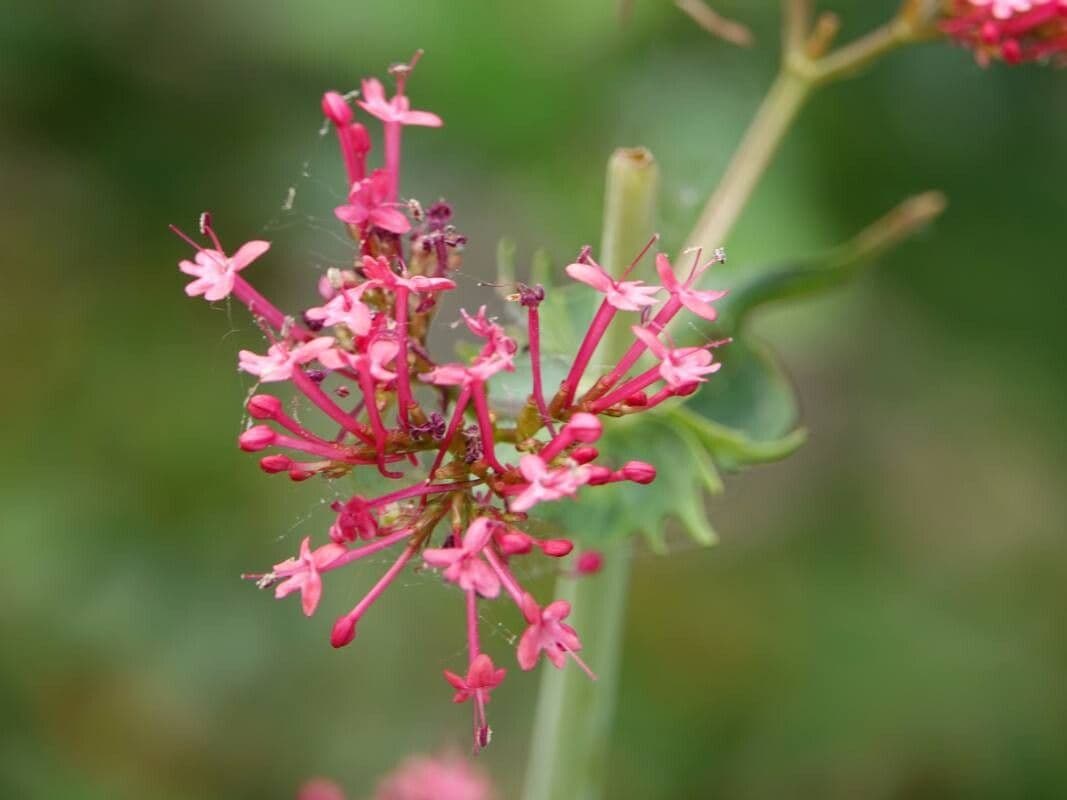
(686, 472)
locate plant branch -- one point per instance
(804, 68)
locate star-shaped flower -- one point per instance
(679, 367)
(367, 204)
(302, 573)
(464, 565)
(345, 308)
(624, 295)
(280, 361)
(214, 270)
(546, 632)
(696, 301)
(397, 109)
(547, 484)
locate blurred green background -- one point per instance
(885, 614)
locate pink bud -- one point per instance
(686, 390)
(514, 543)
(557, 548)
(298, 475)
(344, 631)
(989, 32)
(590, 562)
(264, 406)
(359, 138)
(336, 108)
(583, 455)
(598, 476)
(275, 463)
(584, 427)
(256, 438)
(638, 471)
(637, 399)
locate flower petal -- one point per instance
(249, 252)
(590, 275)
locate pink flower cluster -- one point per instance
(469, 480)
(1013, 31)
(447, 776)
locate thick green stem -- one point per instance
(630, 192)
(572, 726)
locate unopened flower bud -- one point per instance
(359, 137)
(297, 475)
(557, 548)
(637, 400)
(344, 631)
(585, 454)
(590, 562)
(256, 438)
(584, 427)
(598, 476)
(264, 406)
(336, 108)
(638, 471)
(514, 543)
(688, 389)
(275, 463)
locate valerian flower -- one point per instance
(1012, 31)
(216, 272)
(373, 395)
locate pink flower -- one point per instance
(320, 789)
(483, 368)
(1013, 31)
(678, 367)
(395, 110)
(464, 565)
(281, 360)
(302, 573)
(448, 777)
(215, 271)
(378, 353)
(482, 678)
(624, 295)
(547, 632)
(346, 308)
(547, 484)
(367, 203)
(695, 301)
(354, 521)
(1003, 9)
(378, 270)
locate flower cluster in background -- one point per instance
(1013, 31)
(447, 776)
(360, 356)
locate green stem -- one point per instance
(799, 75)
(572, 726)
(761, 141)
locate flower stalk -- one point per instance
(804, 68)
